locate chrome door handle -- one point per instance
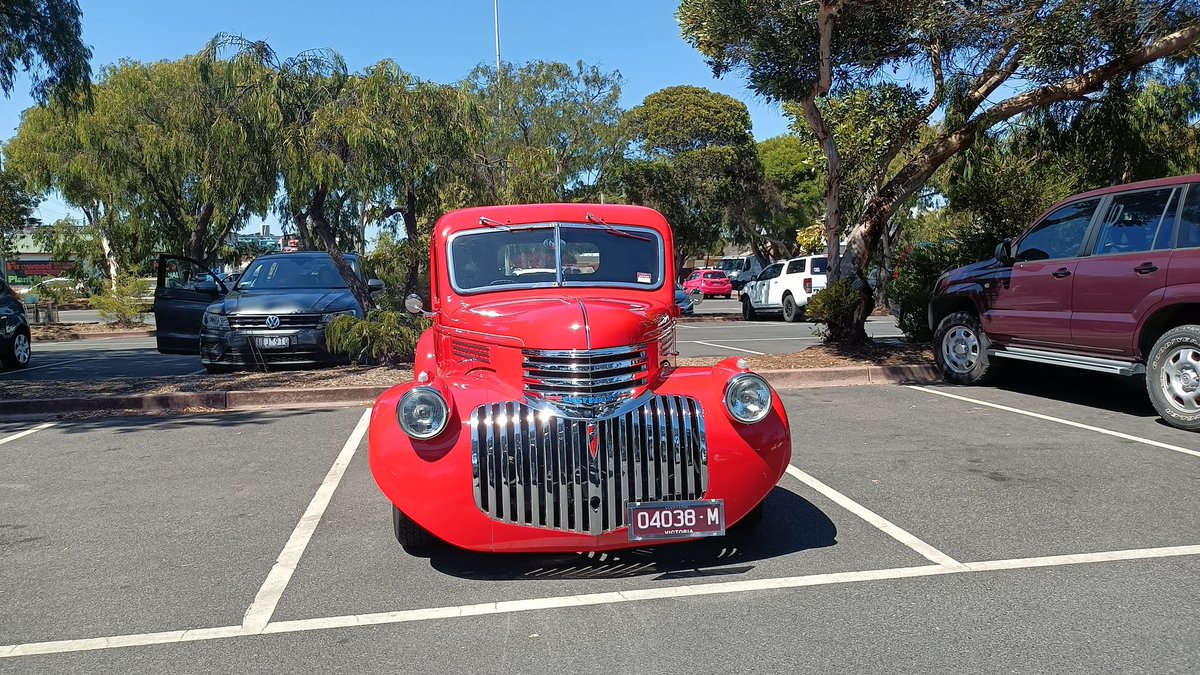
(1146, 268)
(1061, 273)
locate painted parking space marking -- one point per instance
(1059, 420)
(590, 599)
(27, 432)
(736, 349)
(56, 364)
(769, 339)
(259, 612)
(882, 524)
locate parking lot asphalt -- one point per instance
(920, 529)
(139, 357)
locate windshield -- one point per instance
(732, 264)
(555, 255)
(287, 271)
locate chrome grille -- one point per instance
(595, 371)
(286, 321)
(533, 468)
(471, 351)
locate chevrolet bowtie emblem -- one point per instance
(593, 440)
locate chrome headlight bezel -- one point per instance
(735, 406)
(408, 406)
(216, 321)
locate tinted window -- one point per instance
(714, 275)
(1189, 226)
(818, 265)
(1058, 235)
(1132, 221)
(796, 266)
(771, 272)
(286, 271)
(183, 274)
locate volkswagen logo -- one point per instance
(272, 321)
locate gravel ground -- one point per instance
(72, 331)
(878, 353)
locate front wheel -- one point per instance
(960, 347)
(410, 534)
(790, 312)
(17, 353)
(1173, 377)
(748, 313)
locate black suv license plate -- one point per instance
(653, 521)
(273, 341)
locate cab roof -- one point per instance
(523, 214)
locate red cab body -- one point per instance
(553, 348)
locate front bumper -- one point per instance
(432, 481)
(235, 348)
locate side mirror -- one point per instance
(376, 285)
(1004, 252)
(696, 296)
(207, 287)
(413, 304)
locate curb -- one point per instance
(101, 336)
(701, 318)
(852, 375)
(220, 400)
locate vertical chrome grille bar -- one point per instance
(650, 411)
(626, 461)
(506, 464)
(692, 461)
(678, 473)
(612, 474)
(522, 459)
(548, 481)
(702, 437)
(578, 483)
(663, 447)
(563, 473)
(636, 446)
(493, 480)
(476, 476)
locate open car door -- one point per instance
(184, 290)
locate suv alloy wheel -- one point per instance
(1173, 377)
(960, 348)
(748, 313)
(16, 353)
(790, 312)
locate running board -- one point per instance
(1071, 361)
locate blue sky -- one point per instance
(438, 41)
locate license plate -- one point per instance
(650, 521)
(273, 341)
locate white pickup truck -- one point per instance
(785, 288)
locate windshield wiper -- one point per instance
(484, 220)
(620, 233)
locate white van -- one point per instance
(741, 269)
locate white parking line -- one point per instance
(196, 372)
(736, 349)
(1048, 418)
(50, 365)
(25, 433)
(806, 337)
(259, 612)
(883, 524)
(609, 598)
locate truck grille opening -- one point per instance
(584, 372)
(286, 321)
(536, 469)
(471, 351)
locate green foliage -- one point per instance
(834, 307)
(917, 270)
(53, 294)
(126, 304)
(16, 210)
(391, 261)
(385, 337)
(44, 38)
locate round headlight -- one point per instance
(422, 413)
(748, 398)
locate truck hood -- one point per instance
(303, 301)
(563, 322)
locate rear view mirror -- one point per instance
(207, 287)
(696, 296)
(413, 304)
(376, 285)
(1004, 252)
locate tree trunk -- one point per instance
(300, 218)
(358, 288)
(413, 277)
(110, 259)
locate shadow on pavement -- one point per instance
(790, 524)
(167, 421)
(1126, 395)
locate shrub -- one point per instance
(385, 337)
(917, 271)
(126, 305)
(835, 308)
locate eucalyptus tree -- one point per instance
(44, 38)
(986, 62)
(17, 205)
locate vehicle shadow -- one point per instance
(790, 524)
(124, 423)
(1126, 395)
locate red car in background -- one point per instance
(547, 412)
(709, 282)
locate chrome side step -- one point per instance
(1110, 366)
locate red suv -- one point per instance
(1107, 281)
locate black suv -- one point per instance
(275, 314)
(14, 329)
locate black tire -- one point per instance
(215, 369)
(410, 534)
(790, 310)
(960, 347)
(727, 296)
(750, 521)
(748, 313)
(18, 351)
(1173, 377)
